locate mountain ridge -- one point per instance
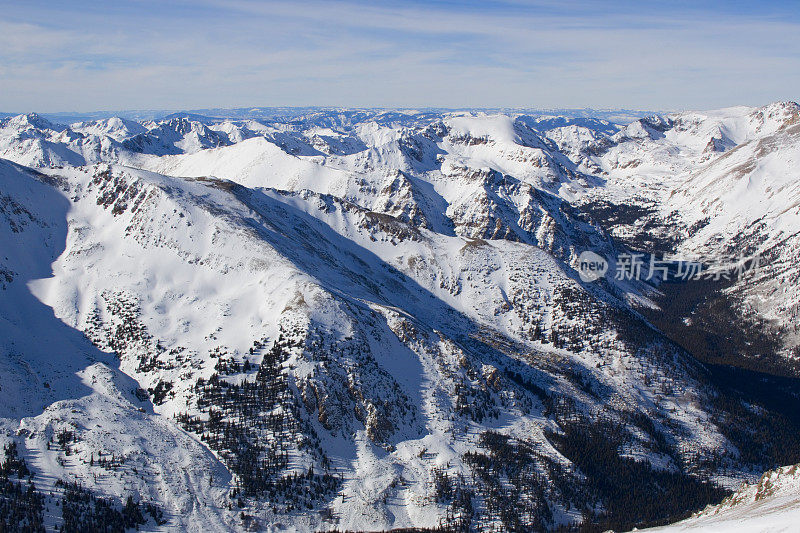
(368, 324)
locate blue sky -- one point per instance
(84, 56)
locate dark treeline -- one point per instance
(22, 505)
(253, 425)
(83, 511)
(632, 493)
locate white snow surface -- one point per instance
(769, 506)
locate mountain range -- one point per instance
(366, 320)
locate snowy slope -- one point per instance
(241, 266)
(55, 379)
(771, 505)
(721, 184)
(363, 320)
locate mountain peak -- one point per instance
(33, 120)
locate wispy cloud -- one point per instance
(87, 55)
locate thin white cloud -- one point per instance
(336, 53)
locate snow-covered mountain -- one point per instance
(717, 184)
(365, 320)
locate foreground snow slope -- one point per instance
(771, 505)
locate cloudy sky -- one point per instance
(657, 55)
